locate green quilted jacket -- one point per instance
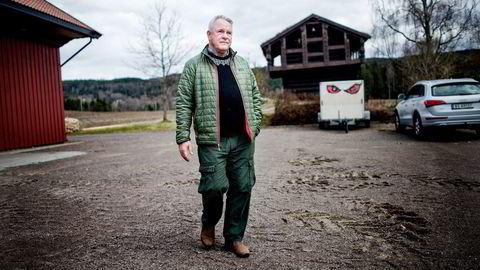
(198, 99)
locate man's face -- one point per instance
(220, 37)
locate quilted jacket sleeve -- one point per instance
(257, 102)
(185, 104)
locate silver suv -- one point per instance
(453, 103)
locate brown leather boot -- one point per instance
(207, 236)
(239, 249)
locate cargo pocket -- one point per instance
(206, 178)
(251, 173)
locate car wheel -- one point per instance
(418, 127)
(398, 127)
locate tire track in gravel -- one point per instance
(387, 229)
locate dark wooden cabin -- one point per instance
(314, 50)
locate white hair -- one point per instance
(218, 17)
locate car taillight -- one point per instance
(430, 103)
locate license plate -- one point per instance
(459, 106)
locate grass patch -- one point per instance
(267, 120)
(161, 126)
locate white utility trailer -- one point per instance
(342, 103)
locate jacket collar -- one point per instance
(205, 52)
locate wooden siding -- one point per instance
(31, 94)
(314, 50)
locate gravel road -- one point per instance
(369, 199)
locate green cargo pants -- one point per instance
(227, 168)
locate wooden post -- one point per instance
(304, 44)
(284, 52)
(362, 50)
(326, 57)
(269, 57)
(347, 47)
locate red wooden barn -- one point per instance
(31, 89)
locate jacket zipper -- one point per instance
(217, 132)
(249, 131)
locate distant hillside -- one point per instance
(130, 87)
(123, 94)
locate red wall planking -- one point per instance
(31, 94)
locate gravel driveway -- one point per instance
(369, 199)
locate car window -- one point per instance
(414, 92)
(456, 89)
(410, 92)
(421, 90)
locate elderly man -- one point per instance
(218, 90)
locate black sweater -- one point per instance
(232, 113)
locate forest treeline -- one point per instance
(386, 78)
(124, 94)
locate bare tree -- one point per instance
(476, 33)
(161, 49)
(428, 30)
(386, 43)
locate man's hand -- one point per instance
(185, 150)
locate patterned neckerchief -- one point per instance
(219, 60)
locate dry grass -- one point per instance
(99, 119)
(153, 127)
(291, 109)
(113, 122)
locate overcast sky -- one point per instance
(255, 21)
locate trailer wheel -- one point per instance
(345, 125)
(323, 125)
(367, 124)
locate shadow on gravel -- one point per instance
(341, 128)
(460, 135)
